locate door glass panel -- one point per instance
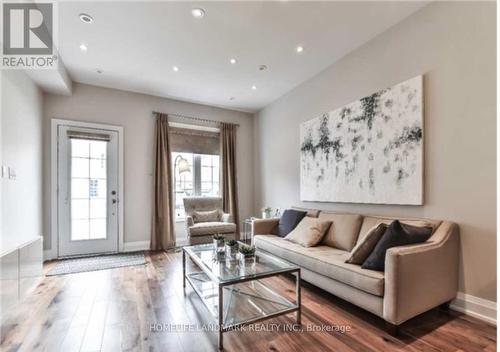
(80, 148)
(79, 229)
(79, 167)
(80, 209)
(97, 229)
(97, 208)
(79, 188)
(98, 168)
(88, 190)
(97, 188)
(98, 150)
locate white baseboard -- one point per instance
(49, 254)
(136, 246)
(476, 307)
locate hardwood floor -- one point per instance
(112, 310)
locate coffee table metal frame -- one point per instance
(221, 284)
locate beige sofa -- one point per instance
(416, 278)
(202, 232)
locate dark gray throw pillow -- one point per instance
(397, 234)
(288, 221)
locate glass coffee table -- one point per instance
(238, 293)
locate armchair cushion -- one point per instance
(397, 234)
(210, 228)
(206, 216)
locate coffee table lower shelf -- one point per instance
(242, 301)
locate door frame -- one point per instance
(53, 252)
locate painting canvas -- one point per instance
(369, 151)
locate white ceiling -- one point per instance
(136, 44)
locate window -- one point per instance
(194, 175)
(209, 175)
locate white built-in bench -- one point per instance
(20, 271)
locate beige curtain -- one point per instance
(229, 182)
(162, 232)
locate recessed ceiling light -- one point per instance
(175, 68)
(254, 87)
(262, 67)
(198, 13)
(83, 47)
(86, 18)
(299, 49)
(232, 61)
(99, 71)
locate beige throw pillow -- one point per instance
(309, 232)
(206, 216)
(363, 249)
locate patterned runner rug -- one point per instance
(100, 262)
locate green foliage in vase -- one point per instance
(231, 243)
(247, 250)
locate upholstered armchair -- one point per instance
(205, 217)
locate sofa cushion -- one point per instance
(313, 213)
(212, 227)
(206, 216)
(397, 234)
(364, 248)
(371, 221)
(288, 221)
(324, 260)
(309, 232)
(344, 230)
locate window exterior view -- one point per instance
(194, 175)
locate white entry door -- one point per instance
(87, 190)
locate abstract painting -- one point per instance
(369, 151)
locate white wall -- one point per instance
(453, 45)
(133, 111)
(21, 149)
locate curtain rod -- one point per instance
(194, 118)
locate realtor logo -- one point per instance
(28, 35)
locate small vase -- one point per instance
(231, 264)
(246, 259)
(218, 245)
(231, 251)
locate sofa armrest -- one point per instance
(226, 217)
(263, 226)
(421, 277)
(189, 221)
